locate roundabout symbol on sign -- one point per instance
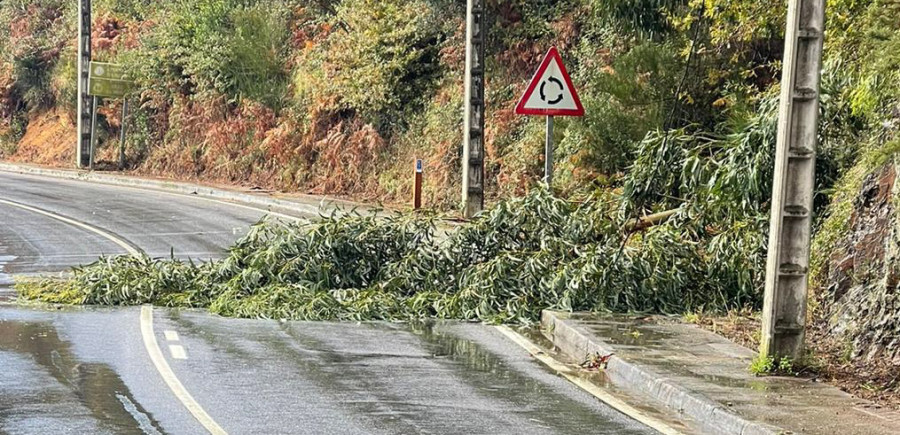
(559, 94)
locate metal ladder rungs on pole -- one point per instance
(787, 268)
(791, 269)
(809, 33)
(805, 94)
(789, 328)
(796, 211)
(800, 153)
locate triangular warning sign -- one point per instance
(550, 92)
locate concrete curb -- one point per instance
(184, 188)
(575, 343)
(601, 394)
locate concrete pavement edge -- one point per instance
(602, 395)
(713, 416)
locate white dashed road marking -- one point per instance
(177, 351)
(171, 335)
(162, 366)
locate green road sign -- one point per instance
(108, 80)
(105, 70)
(108, 88)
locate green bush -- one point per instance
(875, 94)
(645, 16)
(217, 47)
(64, 81)
(10, 136)
(33, 36)
(623, 102)
(130, 9)
(380, 60)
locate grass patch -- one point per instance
(767, 365)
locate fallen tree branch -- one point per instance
(645, 222)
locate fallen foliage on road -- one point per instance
(508, 264)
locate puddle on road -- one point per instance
(423, 378)
(488, 373)
(96, 386)
(473, 365)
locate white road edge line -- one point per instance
(162, 366)
(163, 191)
(128, 248)
(171, 335)
(594, 390)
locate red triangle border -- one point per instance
(552, 54)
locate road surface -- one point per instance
(92, 370)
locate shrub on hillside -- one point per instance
(379, 59)
(217, 47)
(33, 36)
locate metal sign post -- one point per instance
(122, 134)
(417, 186)
(550, 93)
(94, 103)
(83, 128)
(787, 267)
(473, 128)
(548, 152)
(106, 80)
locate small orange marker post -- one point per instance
(417, 188)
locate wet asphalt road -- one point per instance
(86, 370)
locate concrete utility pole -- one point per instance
(473, 133)
(83, 145)
(787, 268)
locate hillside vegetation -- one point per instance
(339, 96)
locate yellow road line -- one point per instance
(585, 385)
(117, 240)
(162, 366)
